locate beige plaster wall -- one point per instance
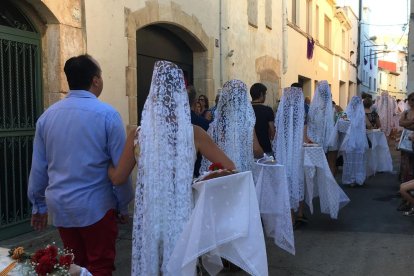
(328, 63)
(257, 50)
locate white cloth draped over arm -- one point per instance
(320, 182)
(224, 223)
(378, 156)
(273, 197)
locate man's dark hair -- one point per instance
(297, 84)
(367, 102)
(80, 71)
(366, 95)
(192, 94)
(257, 90)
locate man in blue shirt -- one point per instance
(76, 139)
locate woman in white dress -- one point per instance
(355, 144)
(233, 127)
(166, 154)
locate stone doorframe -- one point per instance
(57, 28)
(186, 27)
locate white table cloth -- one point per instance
(319, 181)
(337, 137)
(225, 223)
(378, 156)
(5, 260)
(273, 197)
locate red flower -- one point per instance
(45, 265)
(52, 251)
(215, 167)
(66, 260)
(38, 254)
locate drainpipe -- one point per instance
(220, 44)
(358, 69)
(284, 37)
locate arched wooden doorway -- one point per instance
(159, 42)
(20, 106)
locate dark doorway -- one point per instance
(20, 106)
(159, 42)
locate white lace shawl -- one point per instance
(163, 200)
(385, 110)
(232, 128)
(288, 141)
(321, 116)
(355, 139)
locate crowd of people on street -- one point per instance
(82, 159)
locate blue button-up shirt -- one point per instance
(75, 141)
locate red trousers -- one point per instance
(93, 245)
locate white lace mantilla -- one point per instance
(163, 200)
(386, 108)
(288, 141)
(355, 139)
(321, 116)
(232, 128)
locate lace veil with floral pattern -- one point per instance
(288, 141)
(386, 109)
(163, 200)
(355, 139)
(232, 128)
(321, 116)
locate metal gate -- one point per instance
(20, 106)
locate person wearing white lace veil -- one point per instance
(233, 127)
(288, 142)
(354, 144)
(385, 110)
(167, 144)
(321, 116)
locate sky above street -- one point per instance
(387, 17)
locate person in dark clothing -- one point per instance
(198, 121)
(195, 119)
(264, 127)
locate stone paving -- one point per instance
(369, 237)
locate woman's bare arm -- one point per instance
(377, 121)
(121, 172)
(257, 149)
(272, 130)
(206, 146)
